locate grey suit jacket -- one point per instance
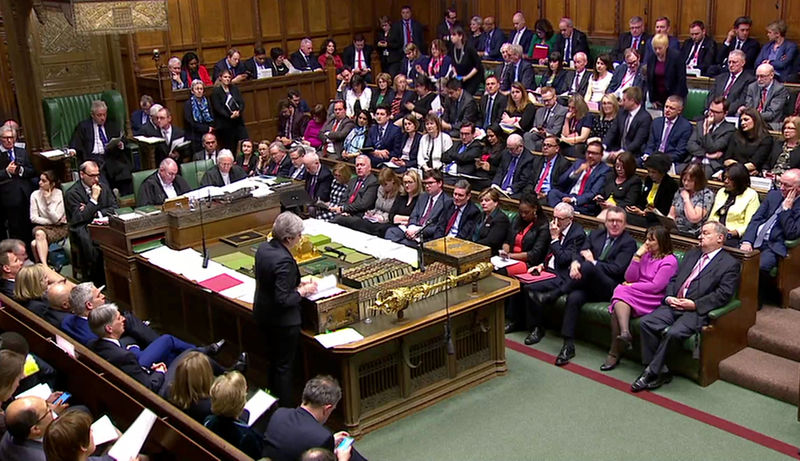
(699, 144)
(365, 199)
(459, 112)
(777, 99)
(336, 137)
(533, 140)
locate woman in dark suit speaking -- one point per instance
(227, 105)
(277, 301)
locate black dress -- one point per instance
(744, 151)
(228, 130)
(464, 60)
(399, 208)
(492, 231)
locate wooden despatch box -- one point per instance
(455, 252)
(331, 313)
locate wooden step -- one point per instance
(765, 373)
(777, 331)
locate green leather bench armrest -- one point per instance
(792, 243)
(720, 311)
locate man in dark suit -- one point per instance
(27, 419)
(279, 163)
(636, 39)
(88, 199)
(777, 220)
(707, 279)
(386, 138)
(739, 39)
(699, 51)
(358, 57)
(462, 216)
(492, 104)
(172, 135)
(427, 212)
(593, 275)
(57, 296)
(547, 168)
(513, 175)
(210, 149)
(90, 140)
(407, 30)
(567, 237)
(141, 117)
(664, 26)
(570, 41)
(493, 38)
(521, 35)
(549, 119)
(10, 265)
(768, 96)
(318, 178)
(257, 66)
(161, 185)
(362, 190)
(460, 107)
(669, 134)
(627, 74)
(335, 130)
(632, 126)
(224, 172)
(732, 84)
(445, 28)
(515, 69)
(232, 63)
(303, 59)
(292, 431)
(16, 187)
(709, 138)
(582, 182)
(579, 77)
(460, 158)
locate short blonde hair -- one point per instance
(30, 283)
(229, 394)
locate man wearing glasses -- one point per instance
(768, 96)
(426, 213)
(548, 168)
(88, 199)
(16, 187)
(627, 74)
(549, 119)
(710, 138)
(27, 419)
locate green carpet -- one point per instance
(539, 411)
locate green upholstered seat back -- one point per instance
(66, 185)
(695, 103)
(138, 179)
(597, 50)
(62, 114)
(193, 172)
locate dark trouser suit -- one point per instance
(593, 285)
(682, 324)
(164, 349)
(282, 342)
(534, 312)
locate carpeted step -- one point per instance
(776, 332)
(759, 371)
(794, 298)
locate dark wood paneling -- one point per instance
(690, 11)
(724, 17)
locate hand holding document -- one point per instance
(129, 445)
(326, 287)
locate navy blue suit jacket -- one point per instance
(619, 74)
(750, 47)
(391, 141)
(785, 64)
(442, 203)
(594, 185)
(466, 227)
(525, 41)
(491, 46)
(676, 142)
(567, 251)
(787, 227)
(324, 182)
(126, 361)
(618, 258)
(277, 302)
(291, 431)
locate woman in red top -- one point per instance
(328, 51)
(528, 238)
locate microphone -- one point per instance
(203, 232)
(341, 254)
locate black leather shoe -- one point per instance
(241, 363)
(511, 327)
(213, 348)
(567, 352)
(535, 336)
(610, 363)
(644, 381)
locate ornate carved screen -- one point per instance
(119, 16)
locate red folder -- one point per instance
(220, 282)
(530, 278)
(540, 51)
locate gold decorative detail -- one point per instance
(58, 37)
(119, 17)
(395, 301)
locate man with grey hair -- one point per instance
(571, 41)
(303, 59)
(319, 178)
(516, 70)
(292, 431)
(174, 67)
(161, 185)
(16, 186)
(141, 117)
(362, 190)
(708, 277)
(92, 140)
(209, 151)
(514, 173)
(637, 39)
(147, 365)
(732, 84)
(174, 137)
(88, 199)
(224, 172)
(768, 96)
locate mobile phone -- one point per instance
(62, 398)
(345, 443)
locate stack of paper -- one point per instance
(326, 287)
(500, 263)
(258, 404)
(103, 431)
(129, 445)
(338, 337)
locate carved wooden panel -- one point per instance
(294, 10)
(181, 23)
(670, 9)
(211, 21)
(241, 14)
(690, 12)
(763, 12)
(630, 8)
(270, 17)
(724, 17)
(603, 17)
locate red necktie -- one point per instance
(355, 191)
(408, 32)
(427, 213)
(728, 86)
(452, 221)
(360, 60)
(635, 43)
(763, 101)
(585, 180)
(544, 176)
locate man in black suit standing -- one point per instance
(513, 175)
(460, 158)
(304, 59)
(460, 108)
(699, 51)
(732, 84)
(16, 187)
(171, 134)
(707, 279)
(318, 178)
(276, 305)
(739, 39)
(462, 216)
(593, 275)
(90, 140)
(637, 39)
(493, 103)
(571, 41)
(406, 30)
(292, 431)
(161, 185)
(362, 190)
(87, 199)
(631, 128)
(232, 63)
(358, 57)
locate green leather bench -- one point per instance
(138, 179)
(597, 50)
(695, 103)
(64, 113)
(193, 172)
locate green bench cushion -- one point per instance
(695, 103)
(62, 114)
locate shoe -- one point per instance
(213, 348)
(567, 352)
(241, 363)
(535, 336)
(544, 298)
(627, 340)
(644, 381)
(611, 362)
(511, 327)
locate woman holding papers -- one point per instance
(276, 305)
(228, 398)
(228, 110)
(47, 213)
(646, 281)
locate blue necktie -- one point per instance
(11, 156)
(510, 174)
(489, 107)
(103, 137)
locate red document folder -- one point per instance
(220, 282)
(530, 278)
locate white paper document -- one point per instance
(103, 431)
(65, 345)
(40, 390)
(149, 139)
(500, 263)
(326, 287)
(258, 404)
(339, 337)
(130, 444)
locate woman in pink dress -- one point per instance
(646, 280)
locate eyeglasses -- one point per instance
(429, 183)
(549, 144)
(92, 175)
